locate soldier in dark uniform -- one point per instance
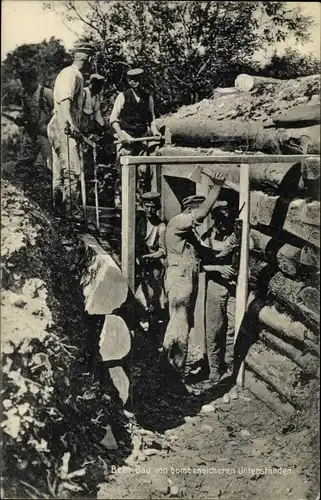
(37, 106)
(150, 256)
(133, 116)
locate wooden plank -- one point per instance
(249, 159)
(128, 217)
(242, 281)
(202, 189)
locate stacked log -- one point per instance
(270, 116)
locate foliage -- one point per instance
(187, 47)
(48, 57)
(291, 64)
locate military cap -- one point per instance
(96, 77)
(84, 47)
(192, 200)
(150, 196)
(135, 72)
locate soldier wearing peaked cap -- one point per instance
(67, 151)
(133, 116)
(150, 255)
(184, 253)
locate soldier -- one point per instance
(67, 149)
(37, 103)
(133, 116)
(92, 119)
(220, 293)
(150, 255)
(184, 250)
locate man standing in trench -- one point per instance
(184, 250)
(133, 116)
(37, 104)
(64, 135)
(220, 292)
(150, 257)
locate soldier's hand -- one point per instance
(75, 133)
(148, 256)
(227, 272)
(218, 178)
(124, 137)
(233, 241)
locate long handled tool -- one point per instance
(141, 139)
(96, 187)
(82, 178)
(196, 176)
(69, 174)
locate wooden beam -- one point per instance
(250, 159)
(242, 281)
(128, 219)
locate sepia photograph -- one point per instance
(160, 249)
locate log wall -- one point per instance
(283, 318)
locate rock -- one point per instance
(150, 451)
(226, 399)
(174, 491)
(245, 433)
(141, 457)
(109, 441)
(233, 395)
(207, 409)
(189, 419)
(206, 428)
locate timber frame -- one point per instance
(162, 163)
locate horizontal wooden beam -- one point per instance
(249, 159)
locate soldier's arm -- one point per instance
(205, 208)
(114, 117)
(97, 115)
(153, 125)
(48, 95)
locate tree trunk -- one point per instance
(307, 362)
(298, 117)
(235, 134)
(269, 397)
(246, 83)
(282, 178)
(275, 370)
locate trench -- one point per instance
(85, 401)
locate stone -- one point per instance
(245, 433)
(104, 286)
(115, 339)
(226, 399)
(233, 395)
(206, 428)
(207, 409)
(109, 440)
(174, 491)
(150, 451)
(120, 381)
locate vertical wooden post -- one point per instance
(198, 336)
(242, 282)
(128, 219)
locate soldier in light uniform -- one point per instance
(184, 250)
(67, 150)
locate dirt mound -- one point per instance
(55, 406)
(259, 104)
